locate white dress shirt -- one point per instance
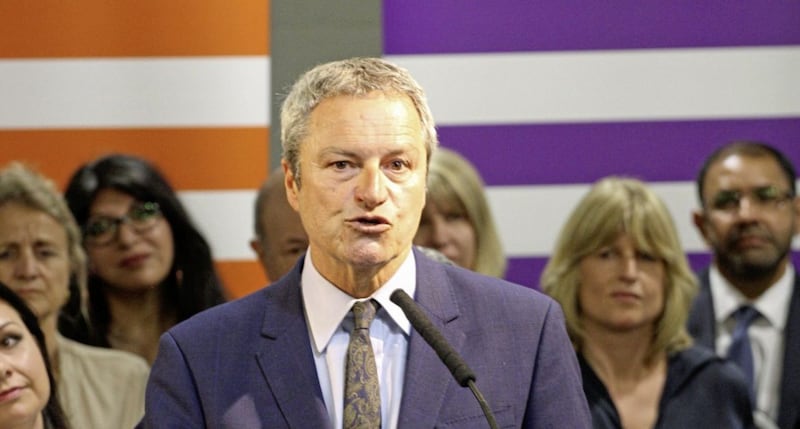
(766, 333)
(329, 319)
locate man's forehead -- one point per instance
(745, 168)
(737, 170)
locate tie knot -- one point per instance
(745, 315)
(363, 313)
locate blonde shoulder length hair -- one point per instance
(453, 182)
(615, 205)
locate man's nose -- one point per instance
(747, 209)
(371, 188)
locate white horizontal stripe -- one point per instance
(134, 92)
(226, 220)
(660, 84)
(530, 217)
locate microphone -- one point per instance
(458, 368)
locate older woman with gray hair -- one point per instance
(40, 255)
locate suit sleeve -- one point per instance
(171, 399)
(556, 397)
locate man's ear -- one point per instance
(699, 220)
(290, 184)
(256, 246)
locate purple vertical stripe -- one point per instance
(527, 271)
(583, 153)
(453, 26)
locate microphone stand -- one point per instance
(458, 368)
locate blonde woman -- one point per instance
(620, 275)
(457, 220)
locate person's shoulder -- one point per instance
(101, 361)
(492, 286)
(500, 296)
(238, 313)
(700, 363)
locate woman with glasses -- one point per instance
(623, 281)
(41, 259)
(149, 266)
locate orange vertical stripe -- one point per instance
(192, 158)
(122, 28)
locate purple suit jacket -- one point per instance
(249, 364)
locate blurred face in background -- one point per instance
(749, 216)
(34, 258)
(24, 386)
(284, 238)
(131, 248)
(621, 288)
(444, 226)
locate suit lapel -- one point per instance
(788, 415)
(702, 324)
(427, 378)
(286, 359)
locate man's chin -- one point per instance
(755, 264)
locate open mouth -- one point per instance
(370, 224)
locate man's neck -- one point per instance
(357, 281)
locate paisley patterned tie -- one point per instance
(362, 396)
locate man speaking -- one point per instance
(325, 347)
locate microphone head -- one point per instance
(460, 370)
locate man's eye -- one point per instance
(397, 165)
(727, 200)
(340, 165)
(767, 194)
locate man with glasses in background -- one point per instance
(748, 307)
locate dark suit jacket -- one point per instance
(249, 363)
(702, 326)
(701, 391)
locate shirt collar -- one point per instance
(326, 305)
(773, 304)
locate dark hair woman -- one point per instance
(37, 405)
(149, 266)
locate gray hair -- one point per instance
(23, 185)
(351, 77)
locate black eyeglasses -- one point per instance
(765, 197)
(102, 230)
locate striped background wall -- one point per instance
(547, 97)
(182, 83)
(543, 97)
